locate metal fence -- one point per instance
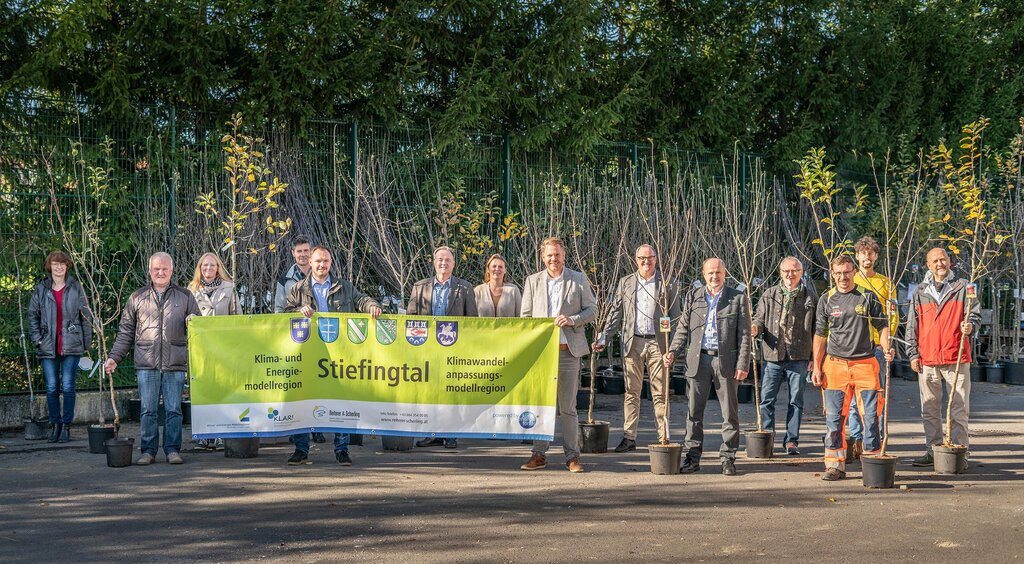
(55, 153)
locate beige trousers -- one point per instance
(933, 408)
(643, 353)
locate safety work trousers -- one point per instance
(845, 379)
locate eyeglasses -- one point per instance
(645, 259)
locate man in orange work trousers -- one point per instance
(845, 363)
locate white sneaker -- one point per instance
(145, 460)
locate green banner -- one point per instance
(269, 375)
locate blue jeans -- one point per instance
(854, 424)
(172, 385)
(794, 372)
(67, 365)
(302, 442)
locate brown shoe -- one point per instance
(537, 461)
(574, 466)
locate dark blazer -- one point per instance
(622, 316)
(461, 300)
(768, 320)
(733, 331)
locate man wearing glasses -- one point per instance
(638, 313)
(785, 322)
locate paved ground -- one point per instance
(474, 504)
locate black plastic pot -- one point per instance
(119, 452)
(878, 471)
(583, 399)
(1013, 373)
(614, 385)
(978, 373)
(98, 434)
(36, 429)
(645, 390)
(679, 385)
(665, 459)
(594, 437)
(389, 442)
(900, 369)
(248, 447)
(950, 459)
(355, 439)
(995, 373)
(135, 409)
(760, 444)
(745, 394)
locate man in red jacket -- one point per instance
(935, 328)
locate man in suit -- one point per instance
(567, 296)
(714, 332)
(638, 310)
(446, 295)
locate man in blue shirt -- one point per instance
(714, 338)
(443, 295)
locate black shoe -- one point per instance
(65, 434)
(792, 449)
(343, 458)
(625, 445)
(429, 442)
(690, 465)
(728, 467)
(319, 438)
(298, 457)
(451, 443)
(54, 433)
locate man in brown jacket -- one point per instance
(156, 320)
(785, 322)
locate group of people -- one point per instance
(842, 339)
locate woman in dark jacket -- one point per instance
(60, 325)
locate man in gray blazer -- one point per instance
(446, 295)
(638, 313)
(567, 296)
(714, 332)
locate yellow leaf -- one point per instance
(817, 242)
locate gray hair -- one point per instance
(444, 248)
(160, 255)
(649, 246)
(791, 258)
(706, 261)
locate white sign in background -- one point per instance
(372, 418)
